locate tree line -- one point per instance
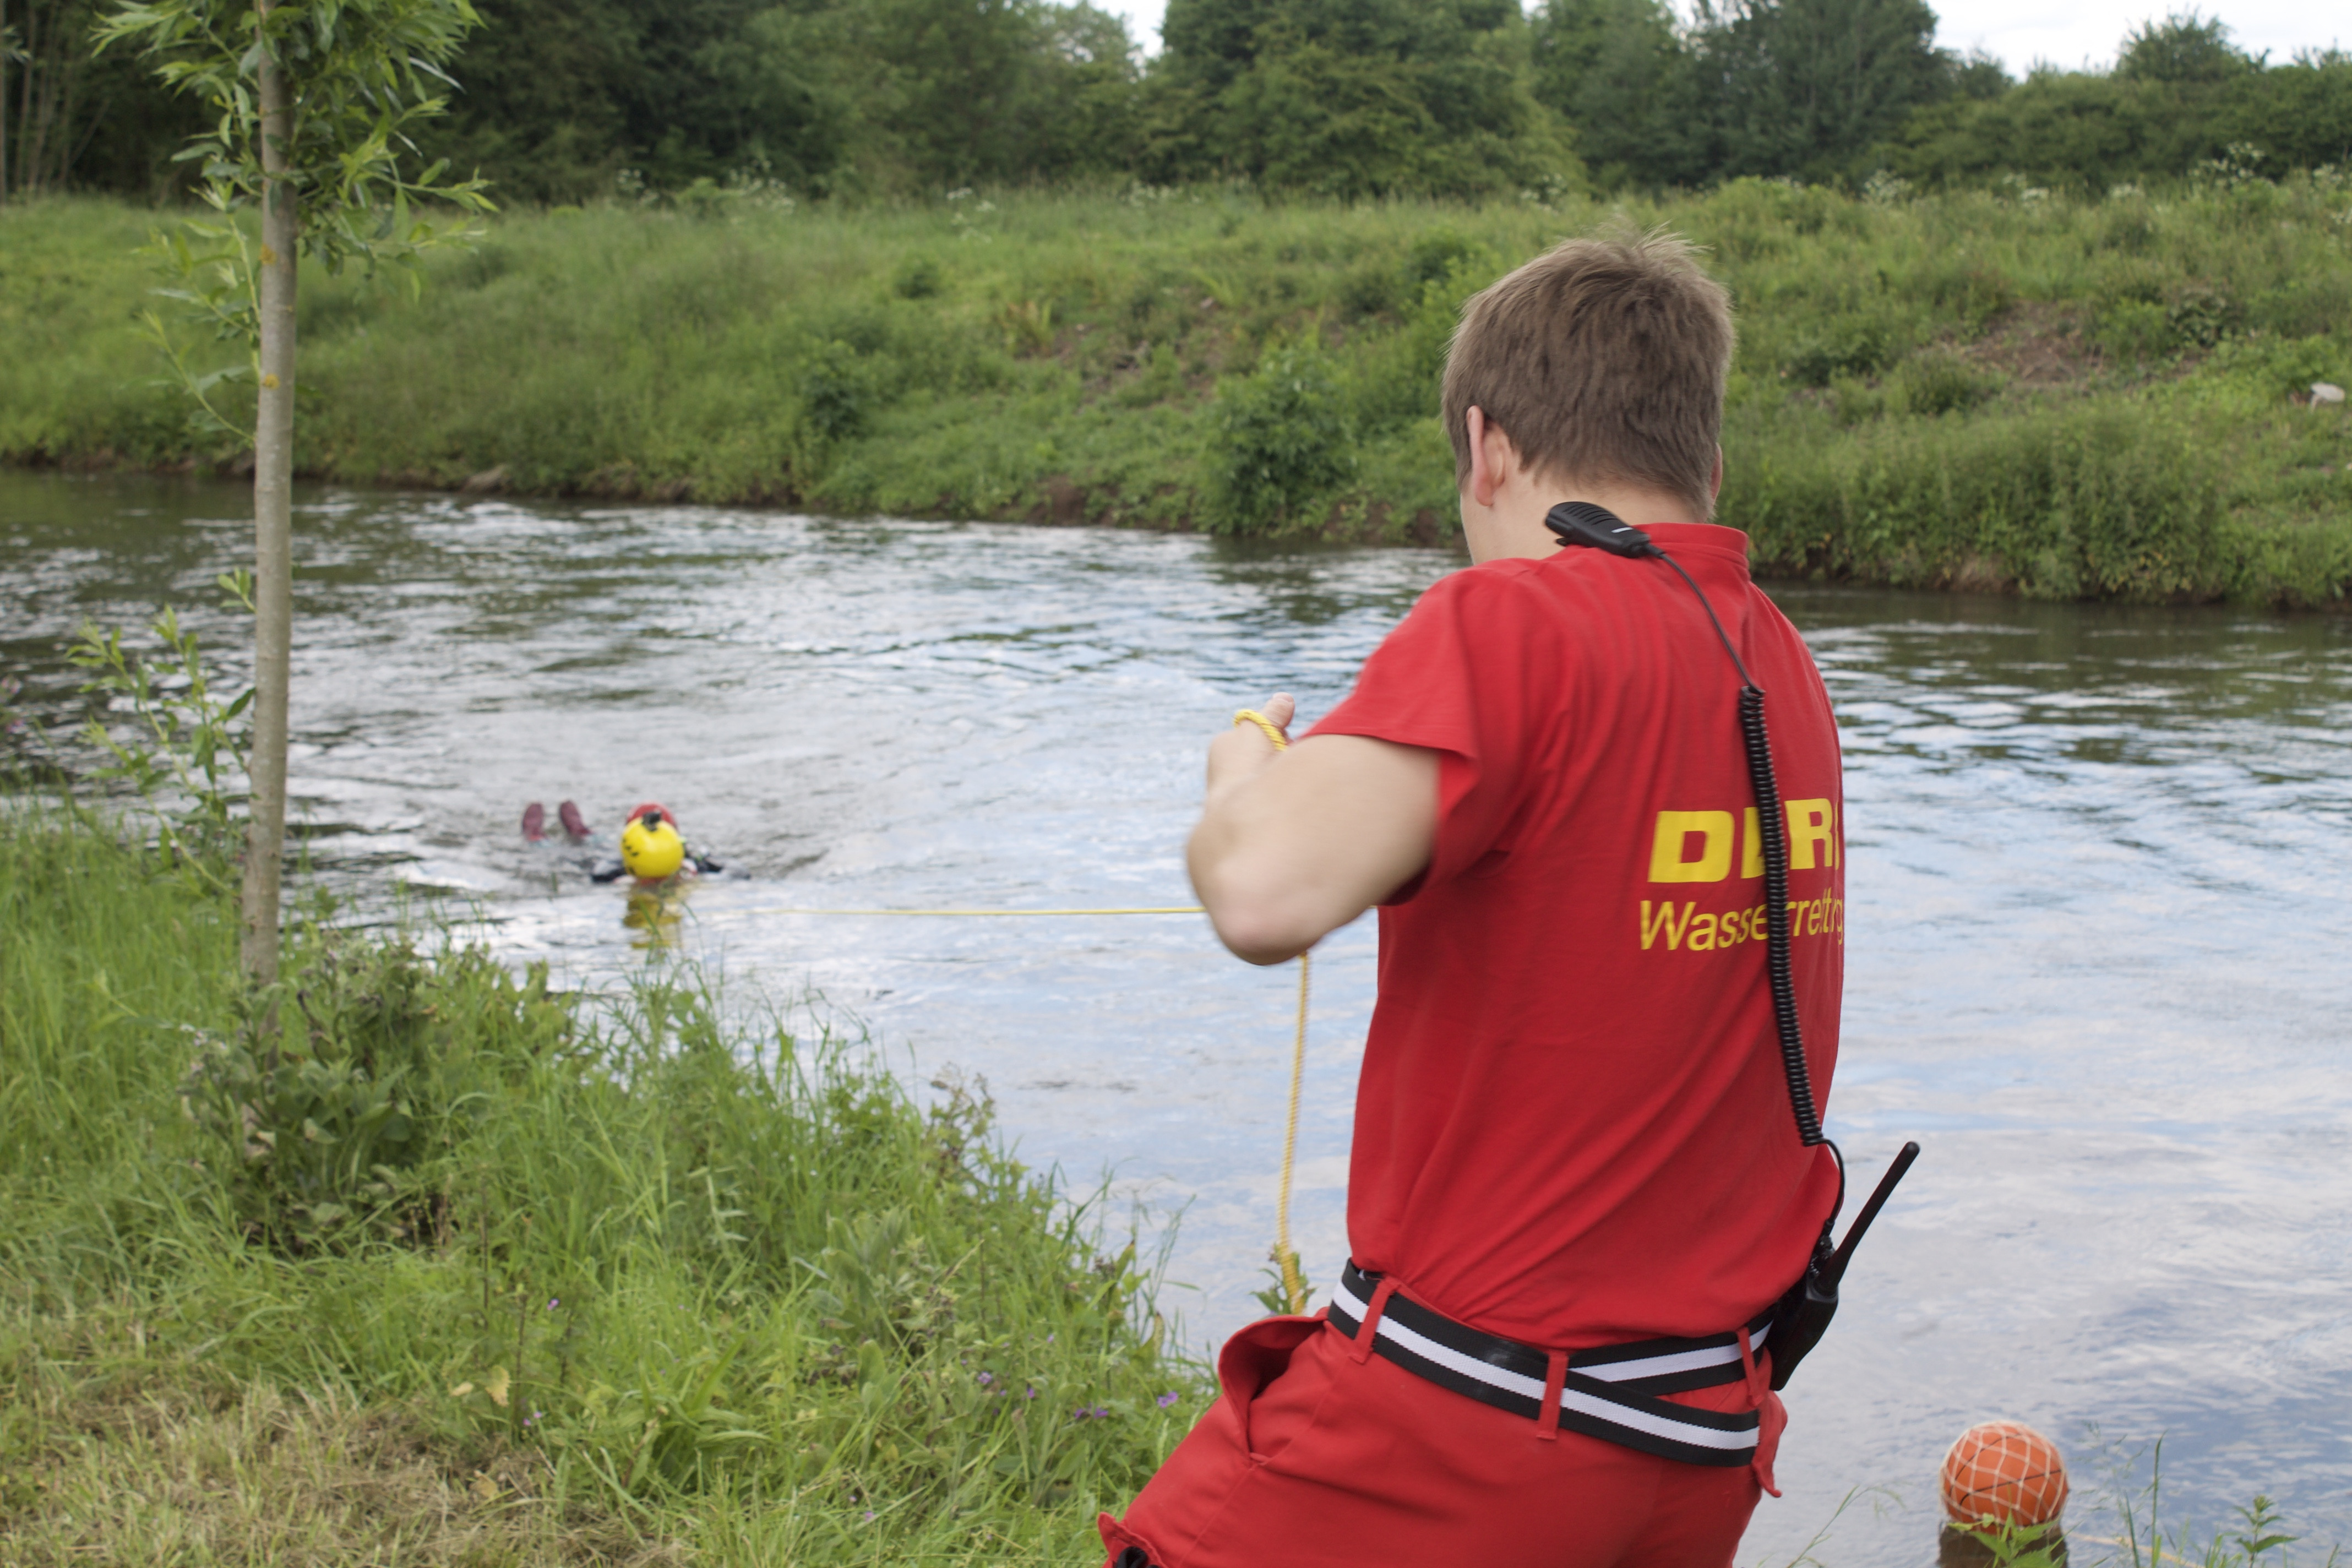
(564, 100)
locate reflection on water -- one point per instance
(2098, 961)
(659, 916)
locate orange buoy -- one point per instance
(2003, 1472)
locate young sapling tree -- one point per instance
(312, 100)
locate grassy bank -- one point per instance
(462, 1276)
(2017, 390)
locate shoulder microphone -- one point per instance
(1582, 522)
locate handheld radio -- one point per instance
(1803, 1312)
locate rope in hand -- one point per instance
(1285, 1256)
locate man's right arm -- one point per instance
(1293, 845)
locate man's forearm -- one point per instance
(1290, 848)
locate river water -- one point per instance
(2100, 954)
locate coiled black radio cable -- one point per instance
(1803, 1312)
(1582, 522)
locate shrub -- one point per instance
(706, 200)
(1370, 290)
(1941, 381)
(837, 393)
(1856, 401)
(1854, 346)
(1027, 326)
(1433, 255)
(1977, 293)
(2133, 330)
(2200, 317)
(1282, 437)
(918, 277)
(331, 1128)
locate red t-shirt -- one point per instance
(1573, 1127)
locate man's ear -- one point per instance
(1715, 483)
(1493, 458)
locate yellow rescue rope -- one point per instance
(1285, 1256)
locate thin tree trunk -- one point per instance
(63, 151)
(273, 534)
(37, 151)
(3, 104)
(24, 88)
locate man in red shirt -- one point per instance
(1576, 1189)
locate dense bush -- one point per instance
(1282, 439)
(332, 1118)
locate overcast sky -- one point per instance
(2019, 32)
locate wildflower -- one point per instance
(986, 1378)
(1166, 1399)
(869, 1516)
(1028, 1394)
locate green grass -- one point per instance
(638, 1286)
(2003, 389)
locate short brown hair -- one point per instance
(1603, 359)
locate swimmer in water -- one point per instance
(652, 849)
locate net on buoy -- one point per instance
(2003, 1472)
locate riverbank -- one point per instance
(2007, 391)
(476, 1271)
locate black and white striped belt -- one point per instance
(1609, 1392)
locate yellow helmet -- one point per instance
(650, 845)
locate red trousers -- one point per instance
(1311, 1457)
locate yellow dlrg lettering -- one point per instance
(1812, 824)
(1665, 921)
(1751, 845)
(1669, 847)
(1701, 934)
